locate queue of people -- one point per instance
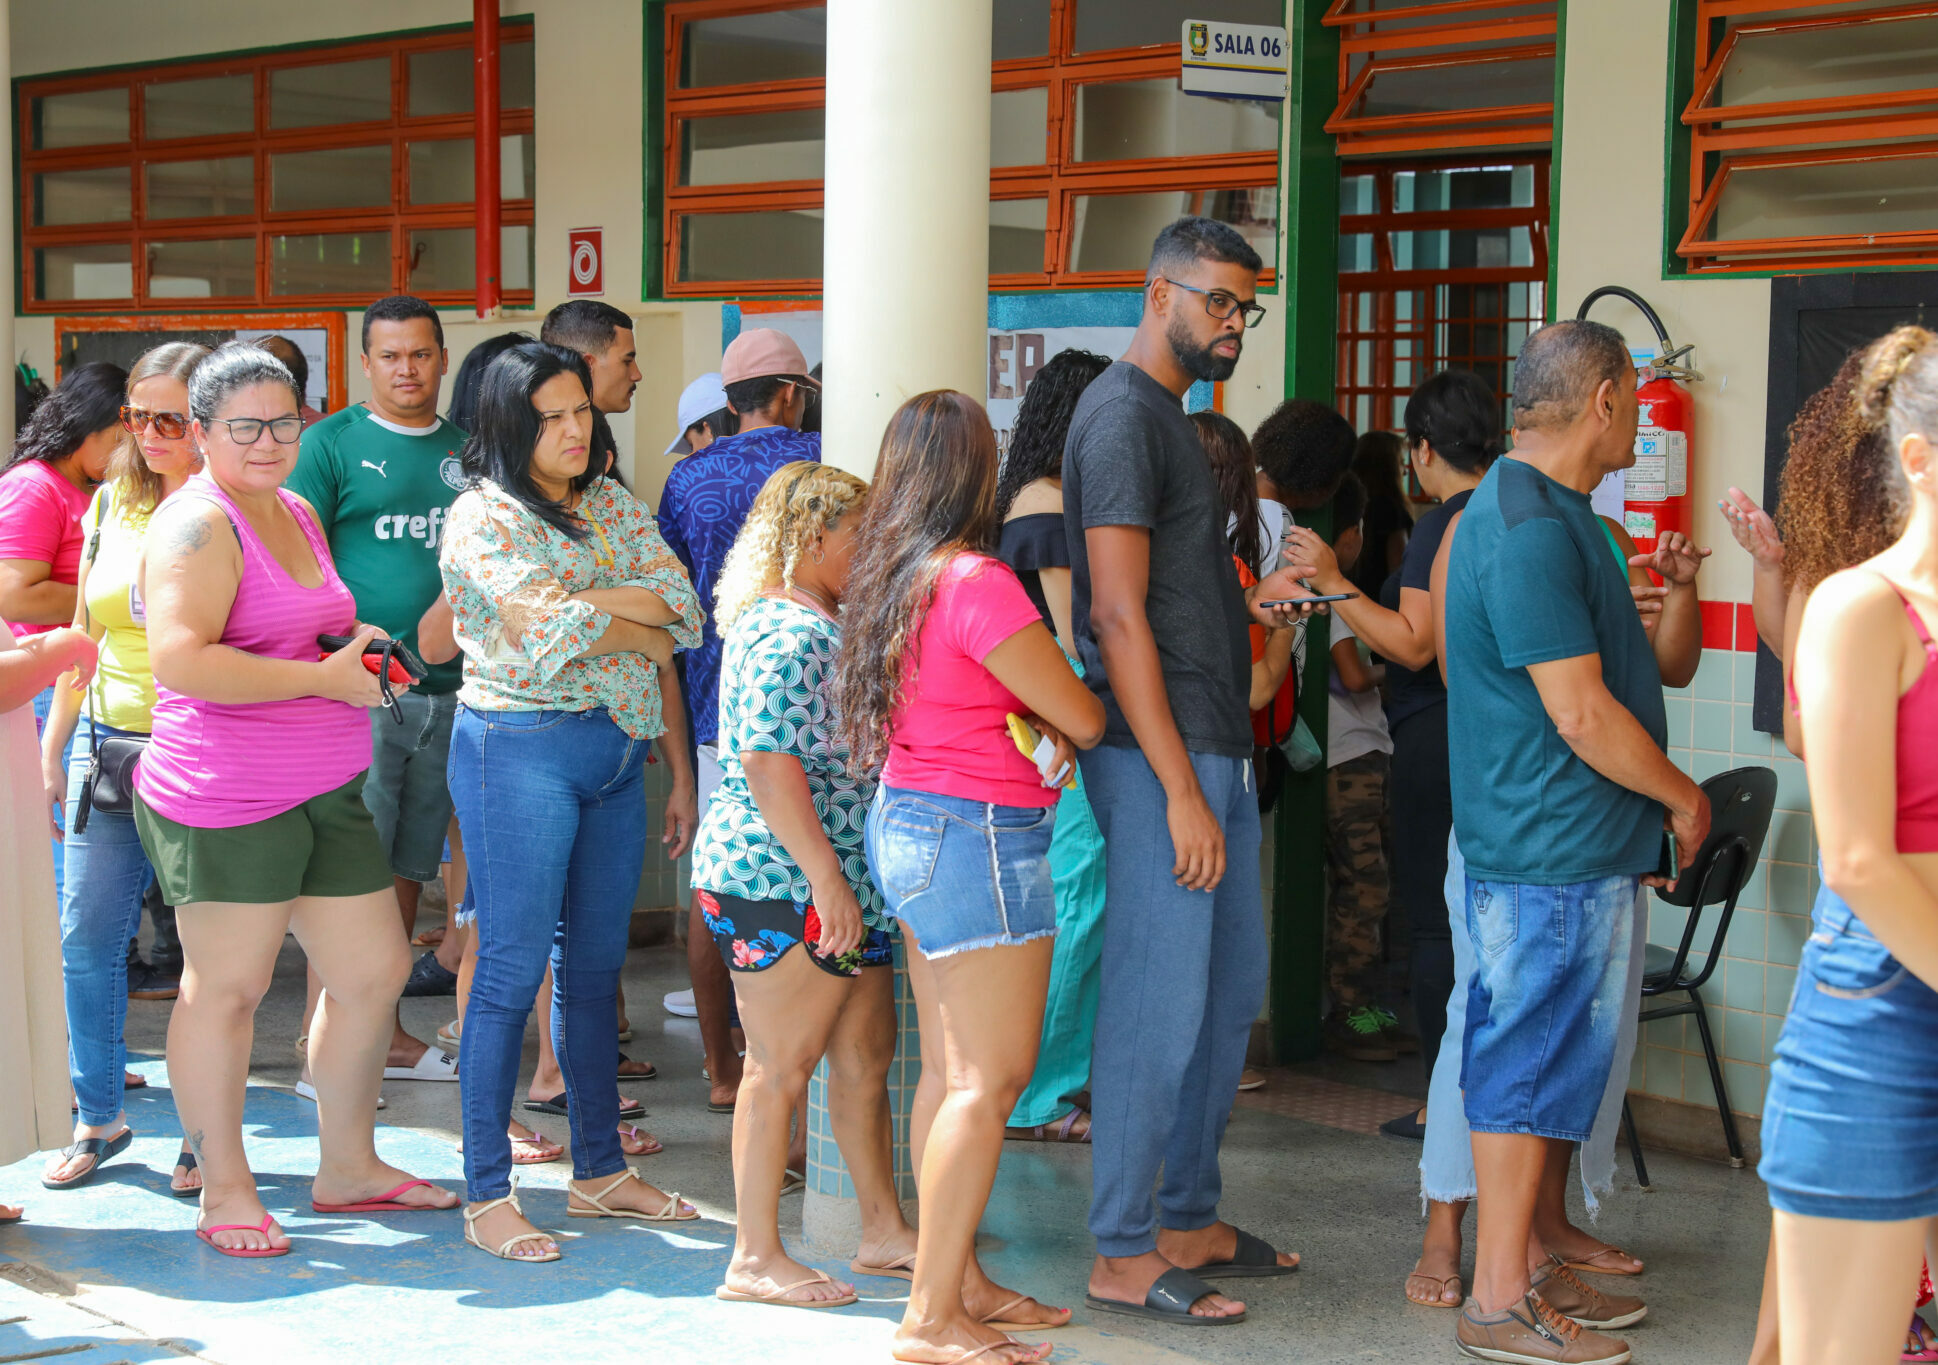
(959, 719)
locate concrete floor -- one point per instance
(112, 1274)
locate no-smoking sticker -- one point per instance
(586, 267)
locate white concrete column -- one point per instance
(906, 262)
(9, 278)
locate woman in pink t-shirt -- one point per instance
(940, 646)
(62, 453)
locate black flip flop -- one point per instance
(1254, 1258)
(648, 1074)
(628, 1109)
(713, 1108)
(185, 1162)
(1169, 1300)
(1406, 1126)
(101, 1149)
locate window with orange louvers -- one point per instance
(320, 175)
(1093, 146)
(1810, 135)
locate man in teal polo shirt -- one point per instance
(382, 476)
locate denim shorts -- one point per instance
(1545, 1003)
(962, 874)
(1850, 1125)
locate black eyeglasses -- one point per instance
(1222, 305)
(246, 431)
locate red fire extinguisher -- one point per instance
(1656, 498)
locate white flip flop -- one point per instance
(306, 1091)
(434, 1065)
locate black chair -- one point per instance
(1740, 802)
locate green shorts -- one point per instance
(327, 846)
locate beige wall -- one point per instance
(1609, 231)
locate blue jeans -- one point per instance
(1447, 1156)
(552, 805)
(43, 703)
(1850, 1129)
(106, 873)
(1545, 1002)
(1183, 979)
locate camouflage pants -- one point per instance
(1356, 871)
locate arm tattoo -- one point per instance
(188, 534)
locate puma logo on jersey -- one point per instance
(379, 467)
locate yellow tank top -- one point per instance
(123, 691)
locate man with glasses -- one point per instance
(382, 475)
(1162, 625)
(707, 498)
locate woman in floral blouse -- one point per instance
(779, 866)
(566, 603)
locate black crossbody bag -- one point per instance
(109, 784)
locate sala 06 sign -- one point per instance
(1205, 43)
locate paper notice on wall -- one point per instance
(1016, 356)
(1609, 495)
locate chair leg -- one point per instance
(1634, 1145)
(1730, 1137)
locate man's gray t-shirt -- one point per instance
(1134, 459)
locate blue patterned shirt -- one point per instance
(707, 498)
(774, 686)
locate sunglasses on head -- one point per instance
(170, 426)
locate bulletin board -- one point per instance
(121, 340)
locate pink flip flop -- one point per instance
(208, 1235)
(383, 1203)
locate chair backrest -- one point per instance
(1740, 802)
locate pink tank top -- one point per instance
(214, 765)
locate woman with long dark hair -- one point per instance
(106, 872)
(1378, 460)
(62, 453)
(1236, 470)
(940, 648)
(567, 602)
(1029, 499)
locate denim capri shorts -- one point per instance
(1850, 1125)
(962, 874)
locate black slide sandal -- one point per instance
(1254, 1258)
(185, 1163)
(1169, 1300)
(630, 1109)
(102, 1150)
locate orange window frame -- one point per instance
(1475, 33)
(1059, 179)
(399, 218)
(1832, 130)
(332, 323)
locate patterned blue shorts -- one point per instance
(753, 935)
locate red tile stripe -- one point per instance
(1728, 625)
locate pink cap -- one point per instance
(761, 353)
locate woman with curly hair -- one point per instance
(1029, 500)
(940, 648)
(779, 865)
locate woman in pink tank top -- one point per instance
(249, 803)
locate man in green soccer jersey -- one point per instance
(382, 475)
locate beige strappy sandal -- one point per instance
(779, 1299)
(670, 1214)
(503, 1253)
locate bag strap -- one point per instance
(102, 503)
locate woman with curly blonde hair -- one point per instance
(779, 865)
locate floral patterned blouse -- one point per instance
(775, 675)
(510, 575)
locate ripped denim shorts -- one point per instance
(1850, 1124)
(962, 874)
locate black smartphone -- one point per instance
(1301, 601)
(1669, 864)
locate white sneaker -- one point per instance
(680, 1005)
(432, 1066)
(305, 1090)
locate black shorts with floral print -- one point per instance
(753, 935)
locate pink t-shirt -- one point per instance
(40, 519)
(952, 736)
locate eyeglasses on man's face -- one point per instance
(1220, 304)
(246, 431)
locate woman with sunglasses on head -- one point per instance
(249, 802)
(567, 604)
(106, 871)
(940, 647)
